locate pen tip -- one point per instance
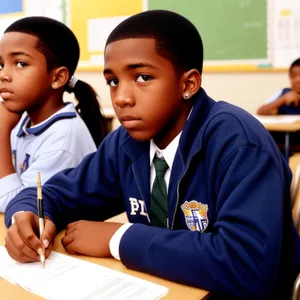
(43, 265)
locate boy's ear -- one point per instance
(60, 77)
(192, 80)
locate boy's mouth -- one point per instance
(4, 93)
(128, 118)
(4, 90)
(129, 121)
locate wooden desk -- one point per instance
(282, 123)
(177, 291)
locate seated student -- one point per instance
(38, 57)
(217, 215)
(287, 101)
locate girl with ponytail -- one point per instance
(38, 58)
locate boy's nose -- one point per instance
(4, 77)
(124, 98)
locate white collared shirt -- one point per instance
(168, 154)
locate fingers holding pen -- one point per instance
(48, 236)
(21, 241)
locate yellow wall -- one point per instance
(80, 13)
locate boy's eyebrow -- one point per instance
(132, 67)
(140, 65)
(20, 53)
(107, 71)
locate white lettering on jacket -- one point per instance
(137, 206)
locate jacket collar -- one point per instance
(191, 138)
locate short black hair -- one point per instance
(55, 40)
(177, 39)
(295, 63)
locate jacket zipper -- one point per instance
(178, 188)
(141, 194)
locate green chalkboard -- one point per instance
(230, 29)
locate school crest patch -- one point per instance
(195, 214)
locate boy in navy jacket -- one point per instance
(226, 226)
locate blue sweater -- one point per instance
(231, 229)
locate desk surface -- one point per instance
(177, 291)
(284, 123)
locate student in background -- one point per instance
(216, 216)
(287, 101)
(38, 57)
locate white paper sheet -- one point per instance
(67, 277)
(285, 32)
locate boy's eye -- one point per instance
(143, 78)
(1, 66)
(112, 82)
(21, 64)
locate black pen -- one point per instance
(40, 212)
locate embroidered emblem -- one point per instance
(195, 214)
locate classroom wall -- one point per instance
(247, 90)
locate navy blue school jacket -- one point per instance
(231, 229)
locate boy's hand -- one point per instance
(22, 242)
(89, 238)
(8, 119)
(292, 98)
